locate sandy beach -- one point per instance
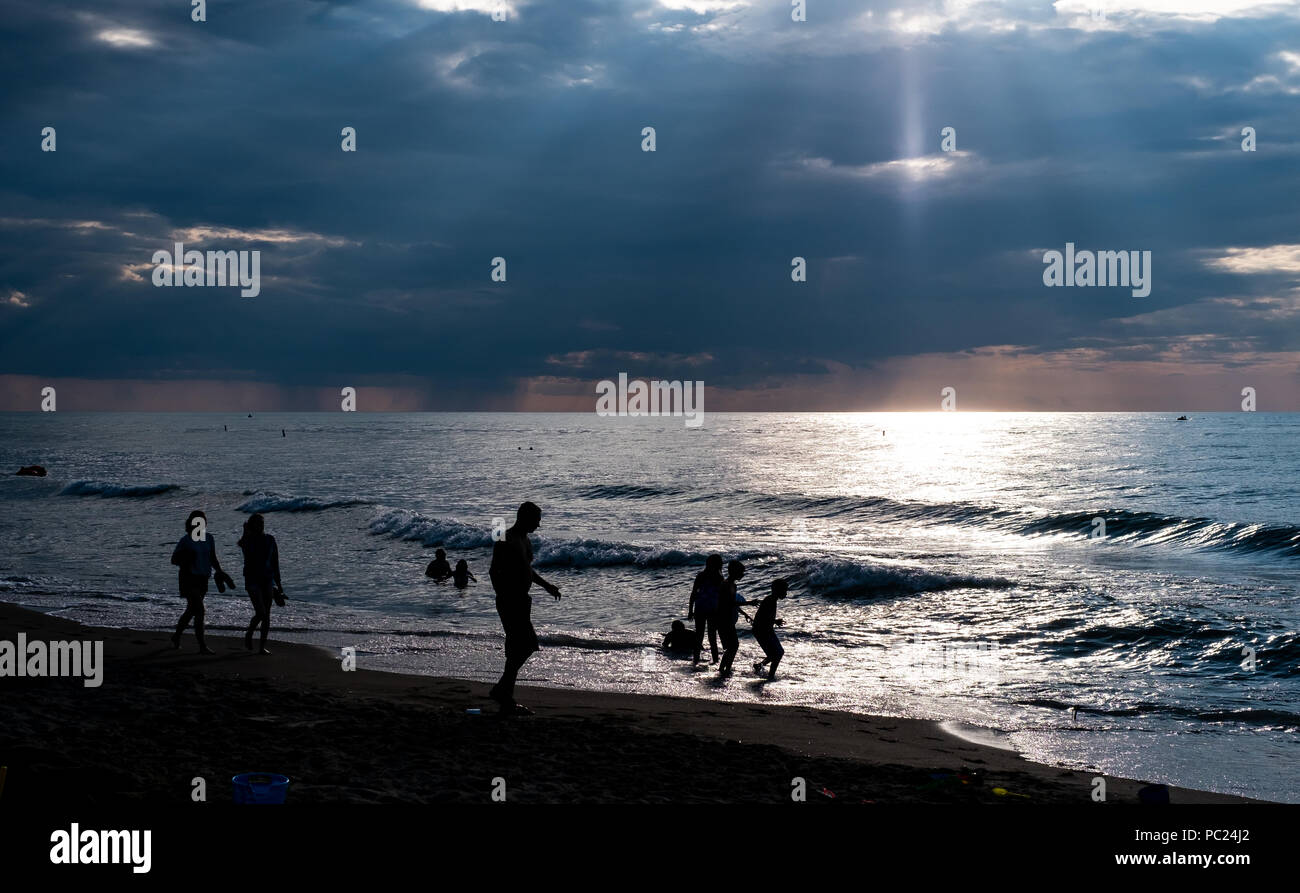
(164, 717)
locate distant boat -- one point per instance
(1181, 418)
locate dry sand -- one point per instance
(163, 717)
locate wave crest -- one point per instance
(598, 553)
(263, 502)
(108, 490)
(848, 579)
(588, 553)
(1122, 525)
(411, 526)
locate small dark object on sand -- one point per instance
(32, 471)
(1154, 795)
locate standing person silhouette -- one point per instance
(765, 623)
(703, 604)
(195, 556)
(512, 575)
(728, 613)
(261, 577)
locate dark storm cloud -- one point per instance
(521, 139)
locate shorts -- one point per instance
(770, 644)
(516, 620)
(259, 592)
(192, 585)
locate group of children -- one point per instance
(440, 570)
(714, 605)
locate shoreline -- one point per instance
(163, 718)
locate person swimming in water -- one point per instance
(461, 576)
(438, 569)
(195, 557)
(261, 577)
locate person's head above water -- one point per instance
(735, 569)
(677, 624)
(713, 563)
(189, 522)
(780, 587)
(462, 565)
(529, 517)
(439, 553)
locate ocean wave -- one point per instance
(598, 553)
(1122, 525)
(411, 526)
(1213, 645)
(847, 579)
(1197, 533)
(263, 502)
(108, 490)
(404, 524)
(626, 491)
(1278, 655)
(1149, 631)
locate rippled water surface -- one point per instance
(946, 565)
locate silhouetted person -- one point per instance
(261, 577)
(703, 605)
(512, 576)
(196, 561)
(680, 640)
(461, 575)
(727, 615)
(765, 621)
(439, 569)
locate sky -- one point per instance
(1114, 126)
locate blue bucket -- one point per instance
(260, 787)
